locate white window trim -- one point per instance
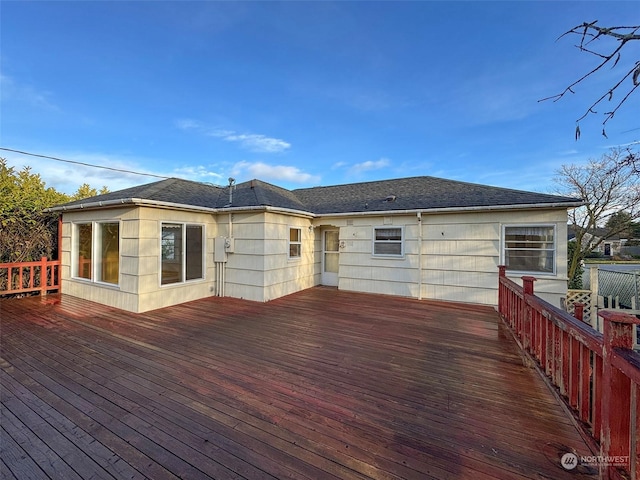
(374, 241)
(503, 248)
(183, 253)
(94, 241)
(289, 243)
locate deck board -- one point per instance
(319, 384)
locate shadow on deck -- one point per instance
(320, 384)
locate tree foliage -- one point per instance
(575, 280)
(610, 189)
(609, 50)
(85, 191)
(27, 231)
(622, 223)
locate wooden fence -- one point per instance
(596, 375)
(23, 277)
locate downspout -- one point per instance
(419, 255)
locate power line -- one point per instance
(82, 163)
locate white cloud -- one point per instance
(26, 94)
(249, 141)
(264, 171)
(338, 165)
(188, 124)
(67, 177)
(197, 172)
(258, 143)
(369, 165)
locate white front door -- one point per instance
(330, 257)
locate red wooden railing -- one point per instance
(597, 375)
(42, 276)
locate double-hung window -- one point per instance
(530, 248)
(96, 252)
(295, 242)
(182, 253)
(388, 241)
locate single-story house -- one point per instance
(176, 240)
(603, 242)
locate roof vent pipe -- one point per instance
(232, 184)
(390, 198)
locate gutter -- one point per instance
(432, 211)
(302, 213)
(140, 202)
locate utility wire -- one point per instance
(82, 163)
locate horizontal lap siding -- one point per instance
(151, 294)
(244, 270)
(124, 294)
(460, 256)
(284, 275)
(260, 268)
(361, 271)
(139, 286)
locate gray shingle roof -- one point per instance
(415, 193)
(173, 190)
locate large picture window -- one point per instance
(182, 253)
(387, 241)
(530, 248)
(97, 252)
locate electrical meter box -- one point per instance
(219, 250)
(229, 244)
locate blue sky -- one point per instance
(303, 93)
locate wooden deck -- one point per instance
(322, 384)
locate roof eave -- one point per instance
(483, 208)
(290, 211)
(138, 202)
(141, 202)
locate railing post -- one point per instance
(43, 276)
(578, 311)
(527, 289)
(616, 402)
(595, 288)
(502, 272)
(56, 273)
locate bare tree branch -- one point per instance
(609, 186)
(589, 33)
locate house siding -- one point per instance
(460, 256)
(139, 288)
(456, 260)
(284, 275)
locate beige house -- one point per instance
(175, 240)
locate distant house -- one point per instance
(612, 245)
(175, 240)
